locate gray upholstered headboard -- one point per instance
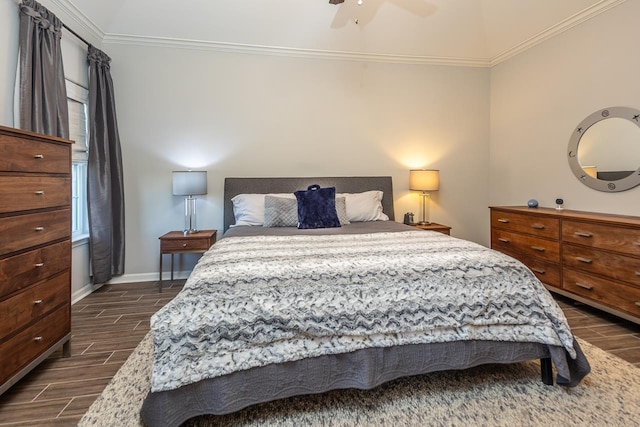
(356, 184)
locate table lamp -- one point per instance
(189, 183)
(424, 180)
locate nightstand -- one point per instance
(444, 229)
(176, 242)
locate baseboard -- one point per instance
(127, 278)
(147, 277)
(83, 292)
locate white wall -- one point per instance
(541, 95)
(255, 115)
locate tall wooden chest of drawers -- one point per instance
(35, 250)
(590, 257)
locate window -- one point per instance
(79, 220)
(77, 100)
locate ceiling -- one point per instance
(473, 32)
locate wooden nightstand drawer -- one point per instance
(530, 224)
(19, 271)
(444, 229)
(185, 245)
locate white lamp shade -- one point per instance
(189, 183)
(424, 180)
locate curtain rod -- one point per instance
(76, 34)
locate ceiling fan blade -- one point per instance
(336, 1)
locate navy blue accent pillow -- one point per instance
(317, 208)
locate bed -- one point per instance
(274, 312)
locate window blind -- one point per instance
(77, 100)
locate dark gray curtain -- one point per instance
(105, 189)
(42, 91)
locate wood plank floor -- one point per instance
(108, 325)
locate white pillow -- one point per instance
(248, 209)
(365, 206)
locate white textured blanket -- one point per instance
(253, 301)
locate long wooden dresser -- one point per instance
(35, 251)
(590, 257)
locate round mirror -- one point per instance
(604, 150)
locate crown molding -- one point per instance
(84, 25)
(124, 39)
(559, 28)
(81, 23)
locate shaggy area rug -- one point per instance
(490, 395)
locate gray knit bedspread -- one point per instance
(259, 300)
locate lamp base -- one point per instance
(426, 202)
(190, 216)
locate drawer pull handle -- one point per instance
(38, 156)
(582, 234)
(538, 270)
(38, 301)
(37, 339)
(503, 220)
(582, 285)
(503, 240)
(637, 303)
(39, 193)
(40, 264)
(637, 243)
(39, 228)
(585, 260)
(537, 226)
(184, 245)
(538, 248)
(637, 273)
